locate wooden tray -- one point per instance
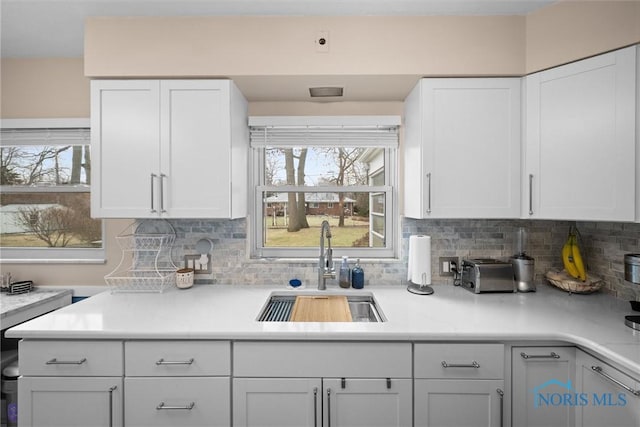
(330, 308)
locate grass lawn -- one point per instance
(353, 231)
(30, 241)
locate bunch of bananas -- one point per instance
(571, 257)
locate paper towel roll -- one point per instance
(419, 259)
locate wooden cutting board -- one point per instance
(329, 308)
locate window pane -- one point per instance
(321, 166)
(285, 225)
(377, 203)
(40, 165)
(48, 220)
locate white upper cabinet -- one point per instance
(168, 148)
(462, 148)
(580, 147)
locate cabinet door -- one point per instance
(469, 137)
(69, 402)
(367, 402)
(541, 371)
(580, 141)
(176, 401)
(277, 402)
(458, 403)
(125, 135)
(196, 149)
(604, 400)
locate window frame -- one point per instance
(49, 255)
(256, 224)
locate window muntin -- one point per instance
(331, 180)
(45, 198)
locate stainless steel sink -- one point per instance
(279, 306)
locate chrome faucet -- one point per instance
(325, 262)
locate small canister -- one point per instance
(632, 268)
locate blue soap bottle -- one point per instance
(357, 276)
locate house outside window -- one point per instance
(317, 169)
(45, 187)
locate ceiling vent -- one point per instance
(323, 92)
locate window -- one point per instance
(310, 169)
(45, 199)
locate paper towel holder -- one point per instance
(421, 289)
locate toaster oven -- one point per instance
(487, 275)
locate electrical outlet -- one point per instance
(322, 41)
(193, 261)
(447, 265)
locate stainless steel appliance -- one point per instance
(632, 274)
(487, 275)
(523, 265)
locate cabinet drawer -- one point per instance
(459, 361)
(71, 358)
(177, 358)
(194, 401)
(322, 359)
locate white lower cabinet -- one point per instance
(322, 384)
(538, 376)
(177, 383)
(458, 403)
(607, 396)
(322, 402)
(458, 385)
(70, 383)
(70, 402)
(177, 401)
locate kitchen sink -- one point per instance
(363, 308)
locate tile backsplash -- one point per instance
(605, 244)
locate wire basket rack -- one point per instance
(146, 264)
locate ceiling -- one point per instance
(55, 28)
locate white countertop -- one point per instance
(18, 308)
(594, 322)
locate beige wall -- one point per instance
(240, 46)
(43, 88)
(571, 30)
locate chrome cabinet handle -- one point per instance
(429, 190)
(598, 370)
(55, 361)
(162, 178)
(530, 194)
(328, 407)
(162, 406)
(501, 395)
(315, 407)
(175, 362)
(111, 389)
(551, 355)
(473, 364)
(153, 178)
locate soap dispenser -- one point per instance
(357, 276)
(345, 273)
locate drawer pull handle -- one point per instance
(501, 395)
(473, 364)
(162, 406)
(175, 362)
(598, 370)
(55, 361)
(551, 355)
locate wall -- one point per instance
(55, 87)
(267, 46)
(570, 30)
(604, 247)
